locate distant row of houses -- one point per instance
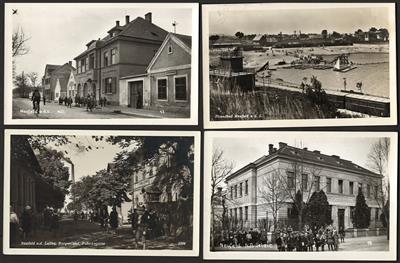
(138, 65)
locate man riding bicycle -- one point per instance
(36, 101)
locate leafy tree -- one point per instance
(336, 34)
(239, 34)
(362, 213)
(318, 212)
(54, 170)
(214, 38)
(373, 29)
(22, 85)
(324, 34)
(33, 78)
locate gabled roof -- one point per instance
(50, 67)
(258, 37)
(184, 41)
(66, 65)
(143, 29)
(304, 155)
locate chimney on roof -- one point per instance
(282, 144)
(335, 156)
(70, 63)
(270, 148)
(318, 152)
(148, 17)
(305, 148)
(126, 20)
(117, 23)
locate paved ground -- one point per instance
(22, 109)
(85, 234)
(374, 243)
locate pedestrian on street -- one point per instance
(341, 234)
(55, 222)
(104, 101)
(14, 226)
(114, 219)
(44, 100)
(36, 101)
(26, 222)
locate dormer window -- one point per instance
(170, 49)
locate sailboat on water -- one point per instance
(343, 64)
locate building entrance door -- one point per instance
(341, 218)
(136, 94)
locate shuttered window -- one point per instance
(108, 85)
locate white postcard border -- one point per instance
(270, 255)
(209, 124)
(194, 252)
(194, 94)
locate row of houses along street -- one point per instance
(137, 65)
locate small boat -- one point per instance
(342, 64)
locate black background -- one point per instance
(199, 127)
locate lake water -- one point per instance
(374, 77)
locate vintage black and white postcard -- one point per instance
(101, 193)
(300, 195)
(299, 64)
(101, 63)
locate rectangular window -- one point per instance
(328, 185)
(105, 56)
(368, 190)
(87, 64)
(231, 192)
(352, 208)
(240, 214)
(290, 180)
(78, 66)
(246, 187)
(236, 191)
(304, 182)
(317, 181)
(180, 88)
(83, 67)
(113, 56)
(240, 189)
(91, 61)
(235, 214)
(351, 188)
(162, 87)
(231, 213)
(376, 191)
(246, 213)
(376, 214)
(340, 186)
(108, 85)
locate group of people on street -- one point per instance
(67, 101)
(89, 101)
(308, 239)
(286, 239)
(244, 238)
(25, 225)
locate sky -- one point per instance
(88, 162)
(248, 149)
(343, 20)
(57, 35)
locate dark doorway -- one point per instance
(136, 94)
(341, 218)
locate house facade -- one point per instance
(71, 85)
(167, 82)
(126, 50)
(27, 186)
(55, 79)
(340, 180)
